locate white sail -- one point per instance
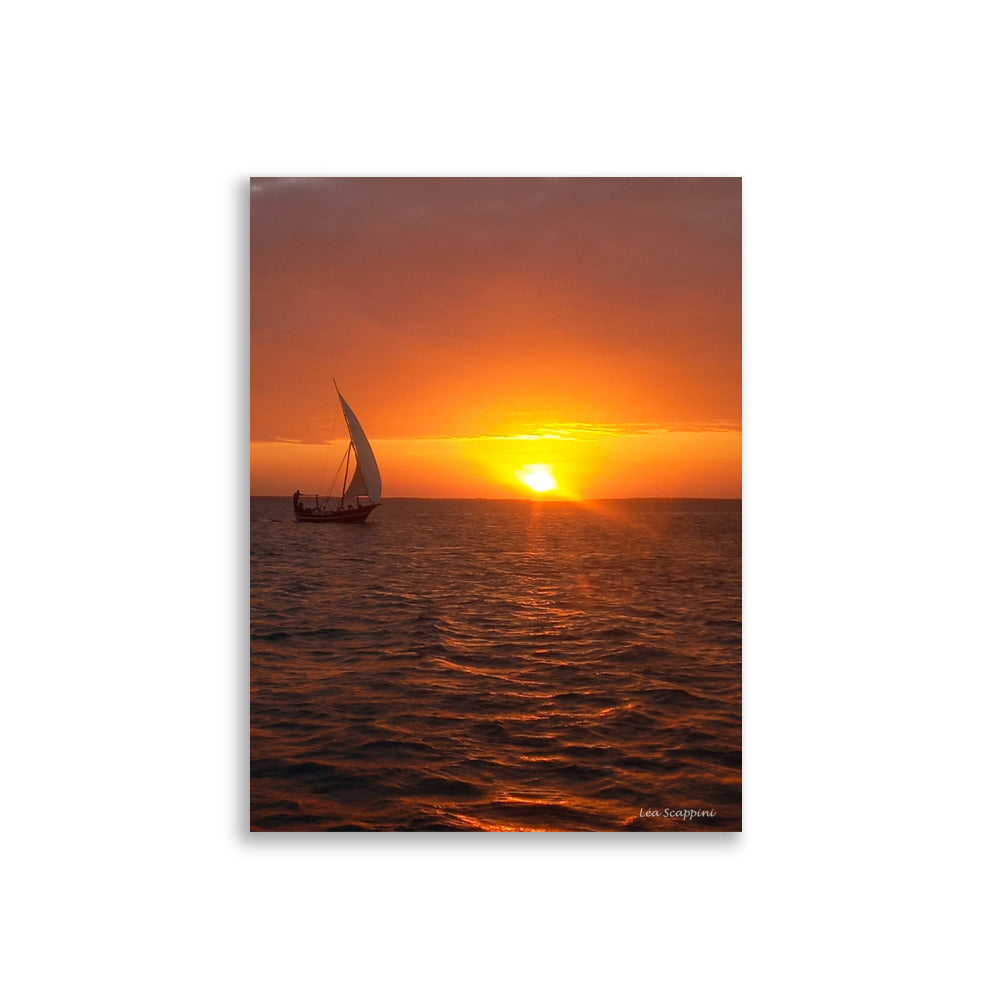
(356, 487)
(367, 470)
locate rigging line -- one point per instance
(326, 456)
(333, 479)
(331, 488)
(326, 462)
(343, 492)
(336, 475)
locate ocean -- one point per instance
(494, 665)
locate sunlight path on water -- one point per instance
(496, 665)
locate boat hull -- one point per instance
(348, 515)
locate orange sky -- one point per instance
(480, 326)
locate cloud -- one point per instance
(594, 431)
(467, 306)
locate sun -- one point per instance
(537, 477)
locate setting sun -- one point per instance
(542, 455)
(537, 477)
(477, 326)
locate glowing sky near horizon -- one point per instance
(482, 326)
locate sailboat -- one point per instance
(360, 496)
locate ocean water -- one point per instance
(497, 665)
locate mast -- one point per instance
(366, 476)
(347, 466)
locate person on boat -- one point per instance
(295, 499)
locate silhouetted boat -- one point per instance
(359, 497)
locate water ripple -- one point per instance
(496, 666)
